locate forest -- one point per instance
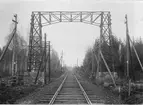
(21, 50)
(116, 58)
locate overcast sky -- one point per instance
(72, 38)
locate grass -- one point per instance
(9, 94)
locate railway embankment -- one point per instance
(95, 93)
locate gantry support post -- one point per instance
(111, 42)
(40, 30)
(31, 41)
(35, 42)
(100, 45)
(105, 32)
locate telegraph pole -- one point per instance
(49, 61)
(62, 61)
(14, 57)
(128, 56)
(13, 34)
(45, 79)
(77, 62)
(93, 65)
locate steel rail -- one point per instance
(57, 92)
(84, 93)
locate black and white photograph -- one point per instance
(71, 52)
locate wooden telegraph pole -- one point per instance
(77, 62)
(49, 61)
(61, 60)
(93, 65)
(14, 57)
(128, 56)
(45, 78)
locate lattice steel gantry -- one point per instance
(40, 19)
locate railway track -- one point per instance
(71, 91)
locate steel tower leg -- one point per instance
(35, 42)
(100, 44)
